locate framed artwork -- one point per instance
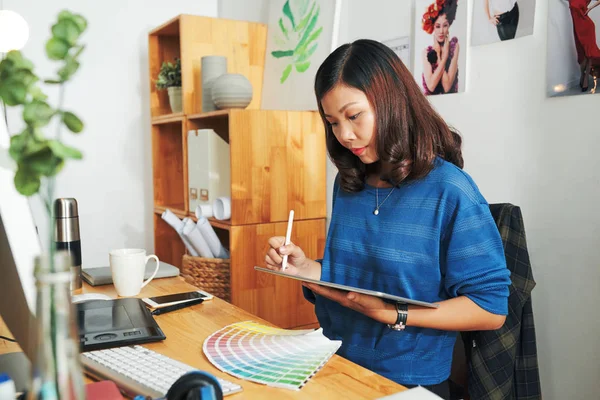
(573, 55)
(501, 20)
(301, 34)
(440, 35)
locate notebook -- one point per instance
(102, 275)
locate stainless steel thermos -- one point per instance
(66, 234)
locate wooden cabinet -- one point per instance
(277, 160)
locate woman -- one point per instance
(406, 220)
(505, 17)
(584, 33)
(445, 51)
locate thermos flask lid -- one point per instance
(65, 208)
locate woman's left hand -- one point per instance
(371, 306)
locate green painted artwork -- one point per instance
(298, 35)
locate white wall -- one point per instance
(110, 93)
(535, 152)
(520, 147)
(253, 10)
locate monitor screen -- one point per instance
(19, 245)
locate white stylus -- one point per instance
(288, 236)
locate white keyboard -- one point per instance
(137, 370)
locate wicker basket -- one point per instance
(209, 274)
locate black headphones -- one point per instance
(196, 385)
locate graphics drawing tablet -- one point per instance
(387, 296)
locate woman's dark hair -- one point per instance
(449, 9)
(409, 132)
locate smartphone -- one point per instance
(176, 298)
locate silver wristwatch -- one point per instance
(402, 310)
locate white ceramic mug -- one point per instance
(222, 208)
(127, 267)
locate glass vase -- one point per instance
(56, 369)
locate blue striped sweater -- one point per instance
(433, 239)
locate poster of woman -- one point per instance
(573, 61)
(440, 46)
(500, 20)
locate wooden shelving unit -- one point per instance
(278, 163)
(167, 118)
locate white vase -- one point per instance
(231, 91)
(212, 67)
(175, 99)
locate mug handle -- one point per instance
(155, 271)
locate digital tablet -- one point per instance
(350, 288)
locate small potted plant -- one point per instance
(169, 78)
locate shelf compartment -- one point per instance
(218, 121)
(222, 228)
(225, 225)
(168, 118)
(168, 246)
(243, 43)
(168, 162)
(163, 45)
(178, 212)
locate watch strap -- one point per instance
(402, 310)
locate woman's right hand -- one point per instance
(446, 49)
(494, 20)
(297, 263)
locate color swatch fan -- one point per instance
(272, 356)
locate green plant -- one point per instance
(36, 155)
(299, 40)
(169, 75)
(39, 158)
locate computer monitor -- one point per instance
(19, 245)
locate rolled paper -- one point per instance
(178, 224)
(211, 238)
(204, 210)
(192, 233)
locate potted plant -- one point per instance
(38, 159)
(169, 78)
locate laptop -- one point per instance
(102, 275)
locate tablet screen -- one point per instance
(350, 288)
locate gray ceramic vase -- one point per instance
(212, 68)
(231, 91)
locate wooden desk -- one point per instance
(187, 328)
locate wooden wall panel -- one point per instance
(276, 299)
(278, 163)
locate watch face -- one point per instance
(397, 327)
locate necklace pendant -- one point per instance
(376, 212)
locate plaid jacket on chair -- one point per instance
(503, 363)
